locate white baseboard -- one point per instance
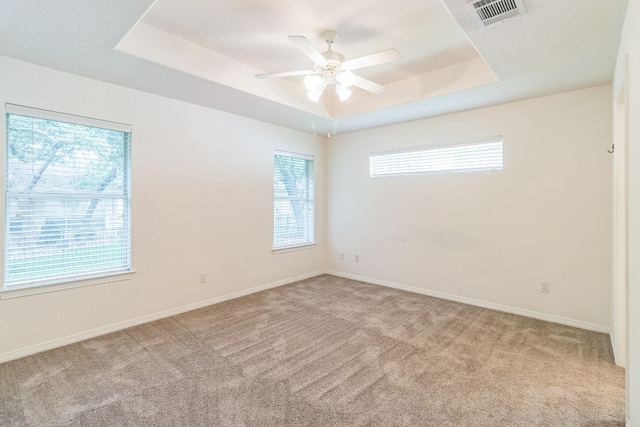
(479, 303)
(70, 339)
(618, 356)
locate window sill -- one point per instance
(42, 289)
(293, 248)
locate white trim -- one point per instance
(33, 349)
(427, 147)
(21, 110)
(621, 79)
(302, 156)
(478, 303)
(612, 339)
(70, 339)
(18, 292)
(284, 250)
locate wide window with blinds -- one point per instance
(470, 156)
(67, 200)
(293, 195)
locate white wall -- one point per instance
(202, 201)
(630, 48)
(492, 236)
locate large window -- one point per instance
(292, 200)
(67, 198)
(469, 156)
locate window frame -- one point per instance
(309, 199)
(400, 167)
(72, 279)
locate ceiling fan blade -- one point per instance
(286, 74)
(309, 49)
(368, 85)
(378, 58)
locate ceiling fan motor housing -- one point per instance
(332, 57)
(332, 68)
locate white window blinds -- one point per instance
(67, 200)
(479, 155)
(293, 196)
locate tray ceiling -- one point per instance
(207, 53)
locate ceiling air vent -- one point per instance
(489, 12)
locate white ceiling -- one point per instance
(207, 52)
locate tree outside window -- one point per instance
(67, 200)
(293, 200)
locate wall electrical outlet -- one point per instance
(342, 255)
(544, 287)
(203, 277)
(357, 258)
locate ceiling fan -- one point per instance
(330, 68)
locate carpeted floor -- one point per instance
(323, 352)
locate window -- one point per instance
(293, 211)
(479, 155)
(67, 201)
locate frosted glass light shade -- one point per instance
(314, 95)
(343, 92)
(345, 78)
(314, 83)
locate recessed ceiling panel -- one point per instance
(208, 52)
(253, 35)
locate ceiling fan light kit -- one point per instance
(316, 84)
(331, 69)
(343, 92)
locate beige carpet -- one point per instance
(323, 352)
